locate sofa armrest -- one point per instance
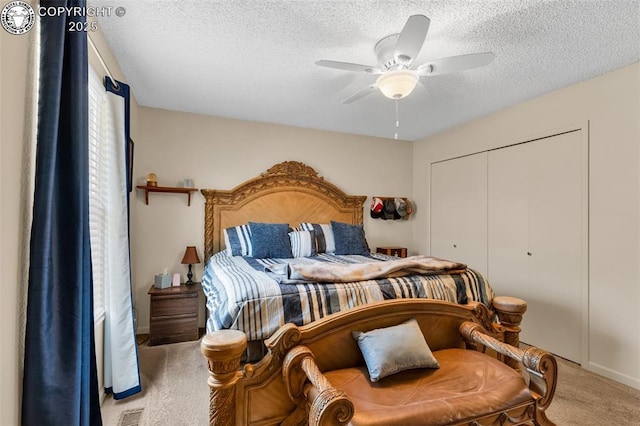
(540, 363)
(311, 391)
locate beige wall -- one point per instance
(222, 153)
(611, 105)
(14, 51)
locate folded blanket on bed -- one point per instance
(341, 273)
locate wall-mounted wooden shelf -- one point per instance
(148, 189)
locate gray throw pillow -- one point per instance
(389, 350)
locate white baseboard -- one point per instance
(142, 330)
(614, 375)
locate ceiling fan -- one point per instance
(396, 54)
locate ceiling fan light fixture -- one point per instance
(397, 84)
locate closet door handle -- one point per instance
(528, 253)
(455, 245)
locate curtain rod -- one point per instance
(104, 64)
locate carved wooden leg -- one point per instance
(223, 350)
(510, 311)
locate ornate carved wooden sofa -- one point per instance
(315, 374)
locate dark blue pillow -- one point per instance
(270, 240)
(349, 239)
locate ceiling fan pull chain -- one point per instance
(397, 119)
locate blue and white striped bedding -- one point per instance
(241, 296)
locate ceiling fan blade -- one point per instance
(456, 63)
(360, 94)
(411, 38)
(348, 66)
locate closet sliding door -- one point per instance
(508, 221)
(536, 237)
(458, 225)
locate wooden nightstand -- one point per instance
(174, 314)
(393, 251)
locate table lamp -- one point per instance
(190, 257)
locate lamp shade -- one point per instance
(190, 256)
(398, 83)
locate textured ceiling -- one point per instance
(254, 60)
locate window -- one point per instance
(98, 171)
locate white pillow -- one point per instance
(303, 243)
(325, 241)
(237, 240)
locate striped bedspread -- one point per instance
(242, 296)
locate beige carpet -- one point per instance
(174, 388)
(585, 398)
(175, 392)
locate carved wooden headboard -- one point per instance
(289, 192)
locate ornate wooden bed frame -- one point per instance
(290, 192)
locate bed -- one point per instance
(241, 296)
(243, 292)
(252, 303)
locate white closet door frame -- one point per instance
(584, 128)
(585, 246)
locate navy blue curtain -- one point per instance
(60, 382)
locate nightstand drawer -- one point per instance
(393, 251)
(173, 330)
(163, 306)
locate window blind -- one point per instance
(98, 172)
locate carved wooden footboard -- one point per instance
(255, 394)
